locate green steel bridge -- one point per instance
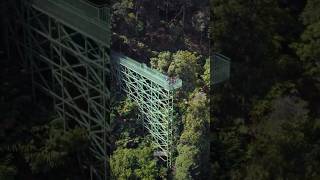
(67, 47)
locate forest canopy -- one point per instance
(261, 124)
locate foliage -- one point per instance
(193, 149)
(7, 170)
(206, 75)
(47, 149)
(127, 128)
(266, 117)
(186, 162)
(308, 49)
(284, 139)
(138, 163)
(185, 65)
(127, 109)
(265, 121)
(32, 145)
(162, 61)
(55, 150)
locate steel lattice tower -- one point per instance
(66, 45)
(153, 92)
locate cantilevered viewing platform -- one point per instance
(221, 68)
(80, 15)
(153, 75)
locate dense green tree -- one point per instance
(228, 149)
(54, 151)
(162, 25)
(185, 65)
(44, 150)
(162, 61)
(127, 128)
(207, 72)
(137, 163)
(265, 117)
(252, 34)
(265, 120)
(193, 142)
(187, 162)
(8, 170)
(286, 136)
(308, 49)
(32, 145)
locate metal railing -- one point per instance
(157, 77)
(80, 16)
(87, 9)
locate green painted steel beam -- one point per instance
(151, 74)
(89, 20)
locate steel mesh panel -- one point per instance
(221, 68)
(92, 23)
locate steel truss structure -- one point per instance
(66, 46)
(153, 92)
